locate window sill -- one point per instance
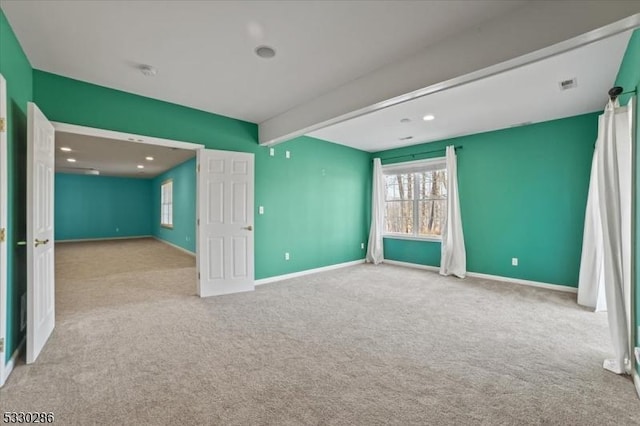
(412, 238)
(166, 226)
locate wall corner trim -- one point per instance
(8, 368)
(556, 287)
(307, 272)
(182, 249)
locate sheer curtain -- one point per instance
(453, 259)
(605, 271)
(591, 282)
(375, 251)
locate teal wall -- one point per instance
(183, 233)
(316, 203)
(15, 68)
(629, 79)
(89, 207)
(523, 194)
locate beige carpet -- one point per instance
(366, 345)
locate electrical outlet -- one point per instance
(286, 256)
(287, 154)
(362, 246)
(272, 152)
(261, 210)
(514, 261)
(117, 229)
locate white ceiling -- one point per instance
(527, 94)
(204, 50)
(113, 157)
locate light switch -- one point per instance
(261, 210)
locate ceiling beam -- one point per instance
(532, 32)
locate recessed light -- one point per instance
(71, 160)
(405, 120)
(140, 166)
(65, 149)
(148, 158)
(429, 117)
(148, 70)
(265, 52)
(406, 138)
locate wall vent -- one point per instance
(568, 84)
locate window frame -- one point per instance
(406, 168)
(162, 204)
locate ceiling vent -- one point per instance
(568, 84)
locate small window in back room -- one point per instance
(166, 204)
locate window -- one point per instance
(416, 198)
(166, 204)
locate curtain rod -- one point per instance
(614, 92)
(419, 153)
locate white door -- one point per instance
(3, 225)
(40, 253)
(225, 222)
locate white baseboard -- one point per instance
(556, 287)
(411, 265)
(636, 381)
(307, 272)
(86, 240)
(548, 286)
(8, 368)
(182, 249)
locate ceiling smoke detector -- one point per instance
(405, 120)
(568, 84)
(265, 52)
(148, 70)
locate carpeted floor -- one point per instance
(366, 345)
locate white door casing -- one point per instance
(40, 246)
(225, 222)
(3, 225)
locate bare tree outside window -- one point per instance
(416, 203)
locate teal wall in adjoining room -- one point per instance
(523, 194)
(629, 79)
(88, 207)
(183, 233)
(313, 201)
(16, 69)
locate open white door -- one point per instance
(3, 227)
(40, 246)
(225, 222)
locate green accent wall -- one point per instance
(88, 207)
(629, 78)
(15, 68)
(523, 194)
(316, 203)
(183, 233)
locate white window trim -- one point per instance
(410, 167)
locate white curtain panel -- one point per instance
(375, 251)
(453, 259)
(614, 188)
(591, 282)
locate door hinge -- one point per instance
(3, 234)
(198, 275)
(198, 222)
(2, 345)
(3, 125)
(198, 168)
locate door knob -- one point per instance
(248, 228)
(41, 242)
